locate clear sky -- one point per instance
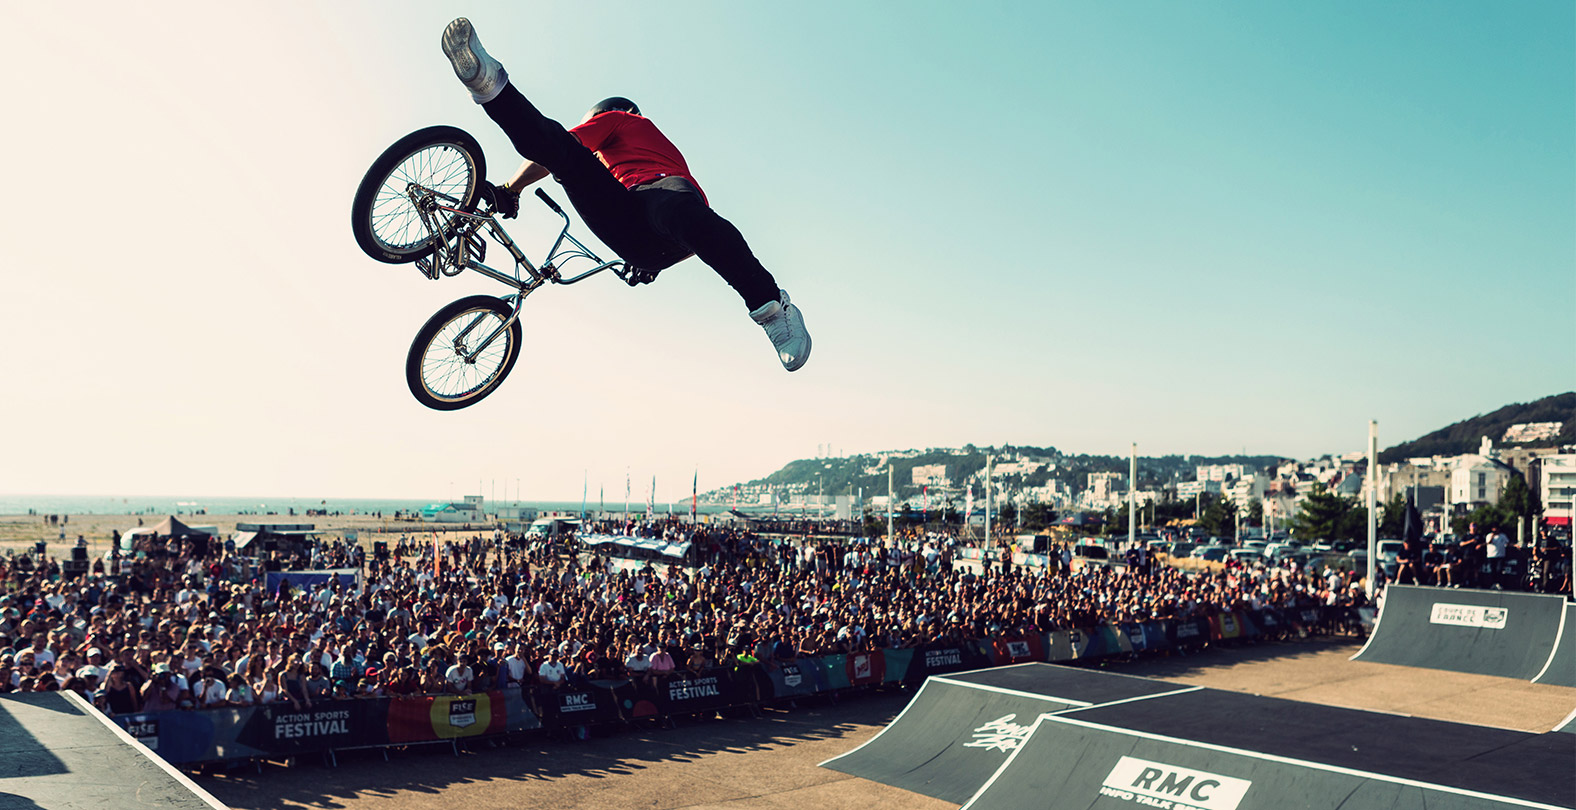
(1202, 227)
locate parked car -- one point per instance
(1091, 552)
(1210, 553)
(1246, 556)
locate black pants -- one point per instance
(652, 226)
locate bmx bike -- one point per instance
(425, 200)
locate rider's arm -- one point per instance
(528, 173)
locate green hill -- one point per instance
(849, 474)
(1465, 436)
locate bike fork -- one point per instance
(470, 357)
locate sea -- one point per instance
(251, 505)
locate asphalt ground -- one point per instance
(771, 762)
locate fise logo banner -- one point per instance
(1168, 787)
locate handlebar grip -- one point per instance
(549, 201)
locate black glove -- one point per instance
(505, 202)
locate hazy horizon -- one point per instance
(1205, 228)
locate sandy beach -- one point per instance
(18, 532)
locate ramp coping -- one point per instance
(1554, 653)
(1257, 755)
(1378, 620)
(1120, 701)
(1568, 723)
(1081, 704)
(911, 701)
(137, 745)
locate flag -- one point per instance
(735, 497)
(924, 505)
(437, 558)
(694, 494)
(583, 476)
(968, 505)
(651, 499)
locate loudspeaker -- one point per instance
(79, 554)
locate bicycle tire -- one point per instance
(385, 223)
(438, 376)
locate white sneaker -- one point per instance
(483, 74)
(784, 324)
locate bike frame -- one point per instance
(466, 248)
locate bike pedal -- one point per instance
(475, 246)
(424, 264)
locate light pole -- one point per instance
(1132, 497)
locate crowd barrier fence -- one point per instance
(278, 731)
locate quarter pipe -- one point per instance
(1511, 635)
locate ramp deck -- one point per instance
(58, 753)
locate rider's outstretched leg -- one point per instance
(683, 216)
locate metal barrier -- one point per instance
(278, 731)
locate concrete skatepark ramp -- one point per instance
(1561, 668)
(58, 753)
(1138, 743)
(1122, 769)
(958, 729)
(1511, 635)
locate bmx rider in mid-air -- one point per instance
(630, 185)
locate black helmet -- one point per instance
(615, 103)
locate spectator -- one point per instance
(460, 676)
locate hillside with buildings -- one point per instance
(1528, 450)
(1548, 422)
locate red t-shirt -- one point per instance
(633, 149)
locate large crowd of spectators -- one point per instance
(190, 623)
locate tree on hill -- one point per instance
(1466, 435)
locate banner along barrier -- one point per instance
(277, 730)
(1511, 635)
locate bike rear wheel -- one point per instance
(436, 368)
(441, 163)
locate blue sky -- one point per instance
(1204, 227)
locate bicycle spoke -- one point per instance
(442, 170)
(446, 374)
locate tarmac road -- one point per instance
(771, 763)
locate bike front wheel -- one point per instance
(442, 166)
(444, 369)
